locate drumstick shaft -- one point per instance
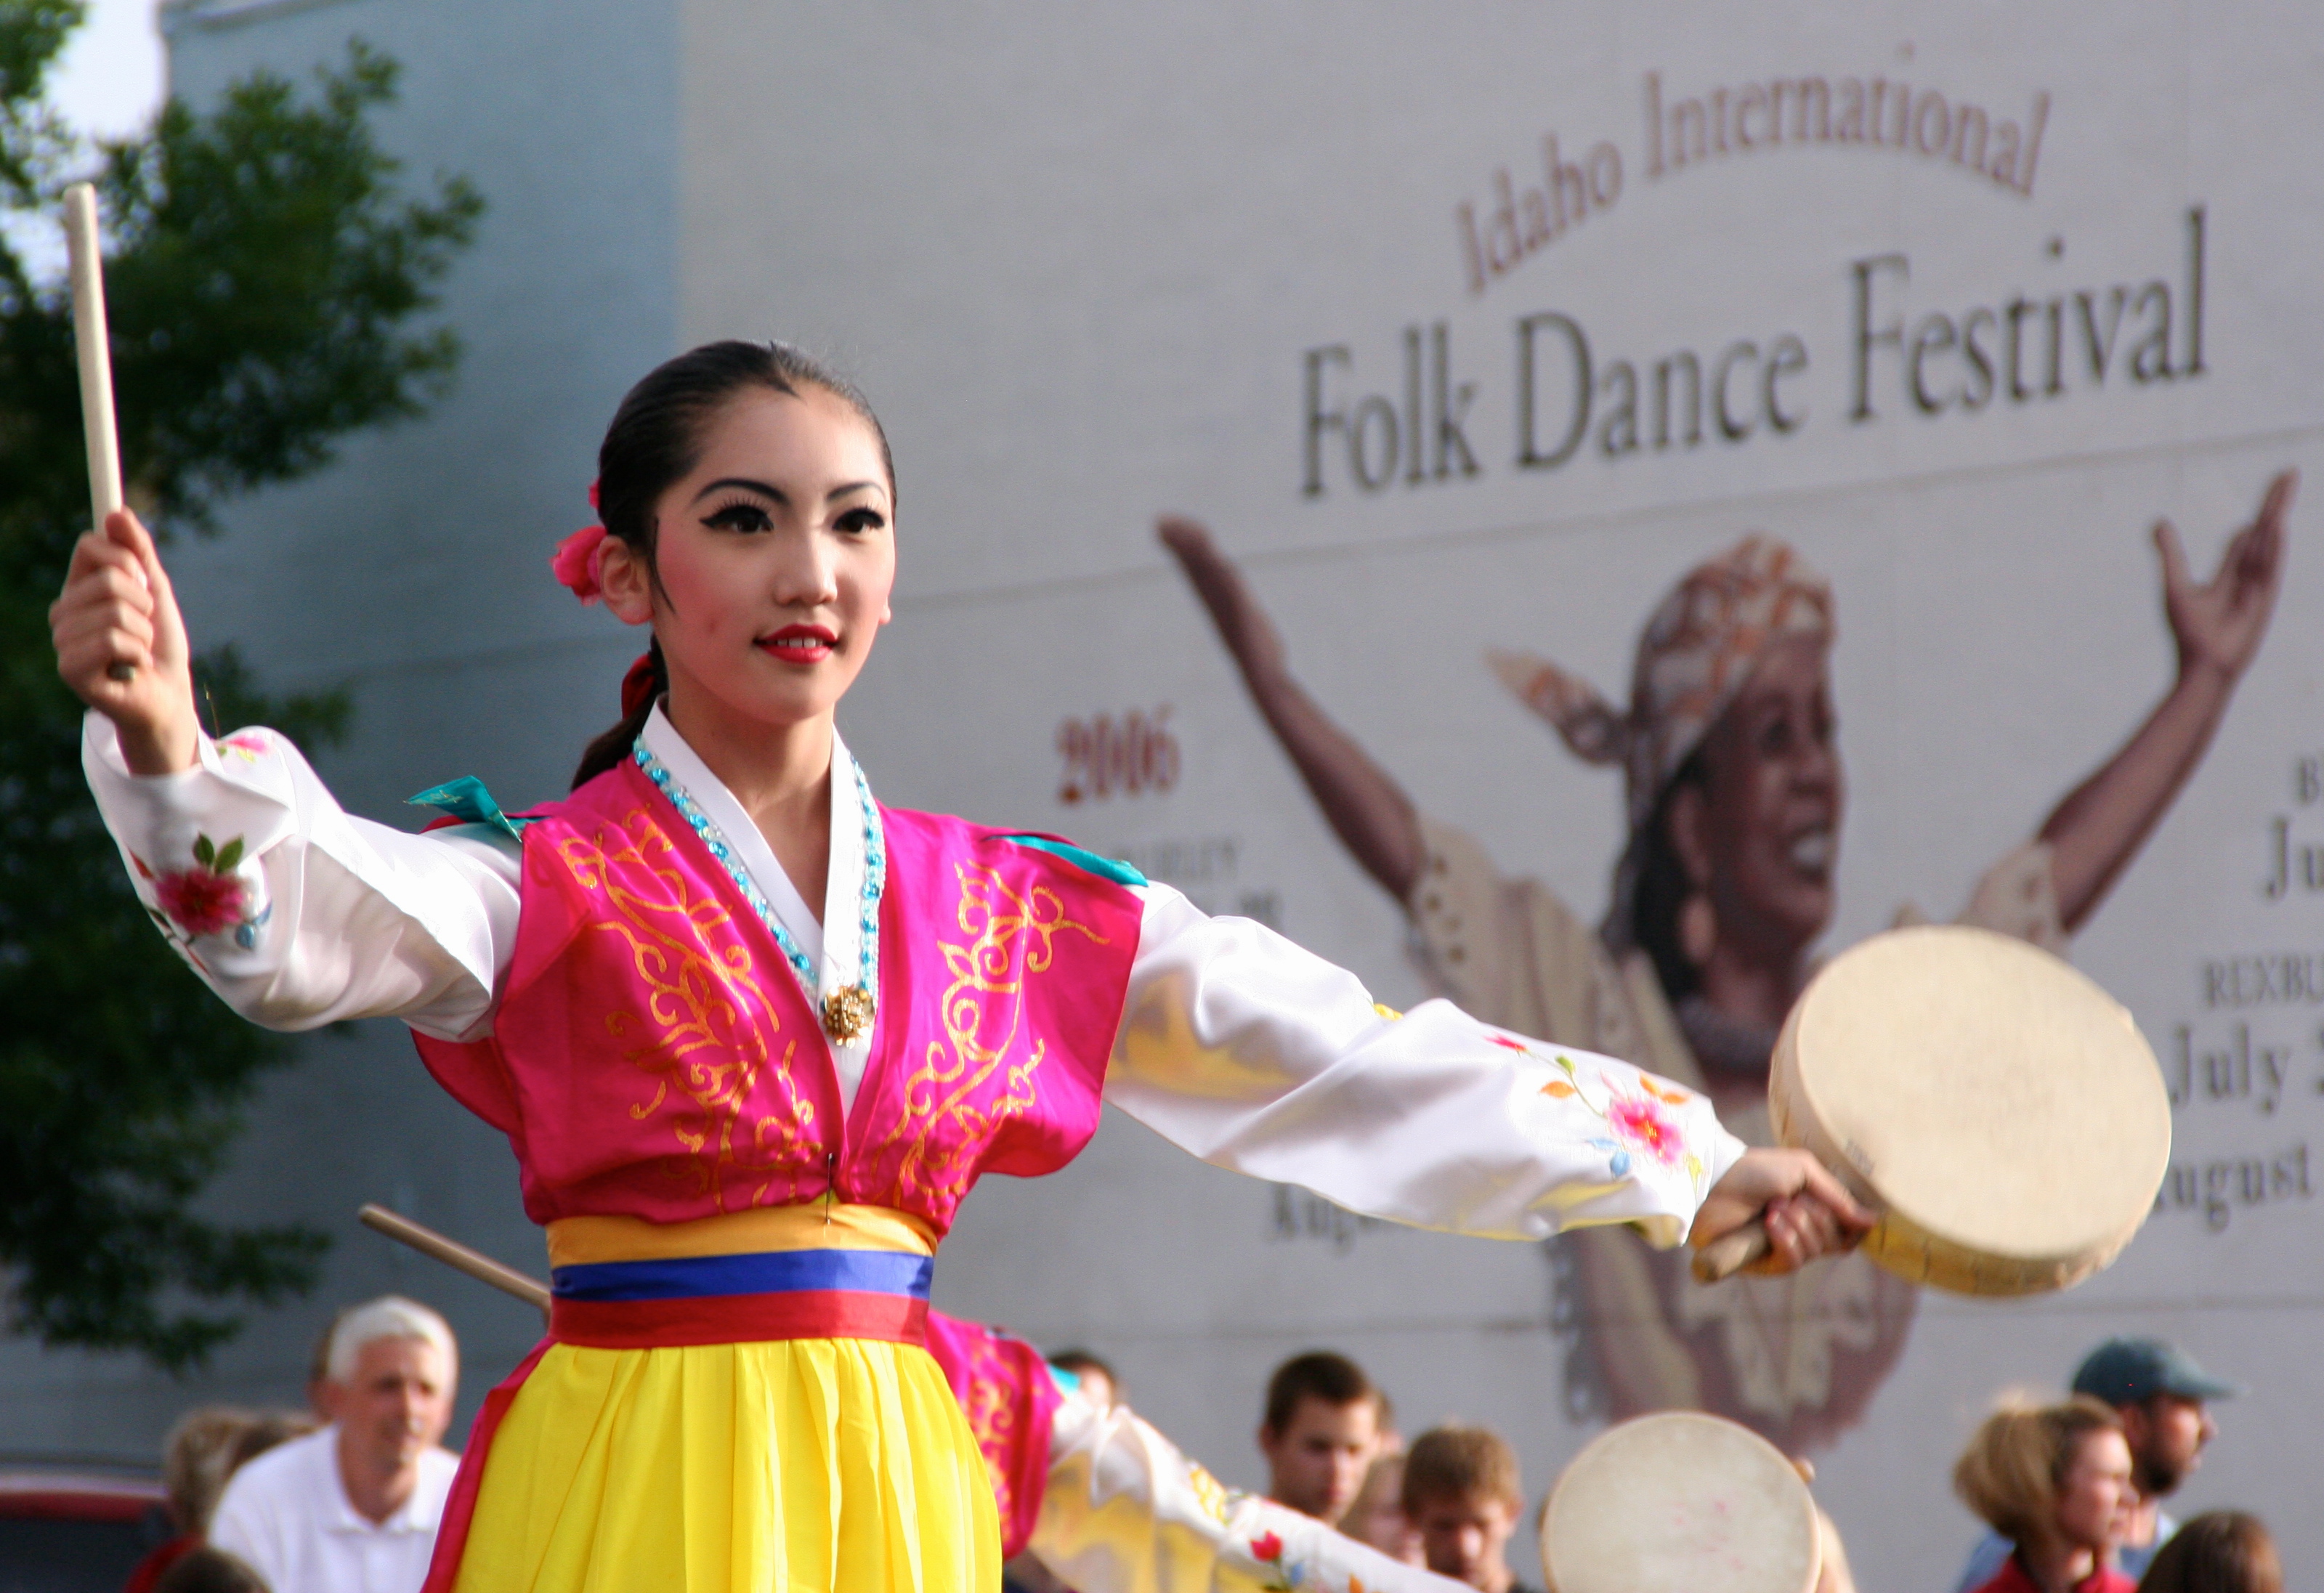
(456, 1255)
(1730, 1253)
(89, 343)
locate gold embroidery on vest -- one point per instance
(708, 1022)
(1011, 940)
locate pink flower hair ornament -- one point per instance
(580, 560)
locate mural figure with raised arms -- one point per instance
(1733, 798)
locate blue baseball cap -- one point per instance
(2126, 1371)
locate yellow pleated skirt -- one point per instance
(808, 1464)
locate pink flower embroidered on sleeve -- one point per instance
(208, 898)
(1643, 1122)
(199, 901)
(1267, 1548)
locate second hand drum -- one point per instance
(1999, 1108)
(1680, 1502)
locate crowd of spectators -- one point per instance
(346, 1495)
(2071, 1492)
(341, 1497)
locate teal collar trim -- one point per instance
(1104, 867)
(467, 799)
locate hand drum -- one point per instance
(2000, 1110)
(1680, 1502)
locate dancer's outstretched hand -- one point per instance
(1806, 1210)
(121, 645)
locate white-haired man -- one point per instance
(354, 1508)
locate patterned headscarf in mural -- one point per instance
(1700, 645)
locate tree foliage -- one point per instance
(265, 268)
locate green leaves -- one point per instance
(266, 282)
(217, 860)
(33, 141)
(253, 333)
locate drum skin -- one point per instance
(1680, 1502)
(1998, 1108)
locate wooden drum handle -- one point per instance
(90, 343)
(455, 1255)
(1730, 1253)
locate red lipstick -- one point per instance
(800, 644)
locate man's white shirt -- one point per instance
(287, 1514)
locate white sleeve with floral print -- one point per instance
(1126, 1511)
(295, 912)
(1257, 1055)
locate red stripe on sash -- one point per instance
(739, 1319)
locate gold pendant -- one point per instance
(848, 1014)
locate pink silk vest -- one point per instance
(654, 1056)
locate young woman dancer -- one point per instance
(752, 1035)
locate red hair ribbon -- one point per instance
(638, 686)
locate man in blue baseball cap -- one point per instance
(2163, 1399)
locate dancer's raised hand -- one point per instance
(121, 645)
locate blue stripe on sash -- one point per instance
(768, 1272)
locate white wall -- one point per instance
(1078, 256)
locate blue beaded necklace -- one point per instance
(846, 1013)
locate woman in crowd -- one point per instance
(753, 1035)
(2218, 1551)
(197, 1458)
(2055, 1480)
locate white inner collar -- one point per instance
(834, 947)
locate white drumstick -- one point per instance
(90, 343)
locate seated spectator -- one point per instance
(1093, 1377)
(356, 1505)
(2055, 1480)
(2163, 1398)
(197, 1458)
(210, 1570)
(1464, 1497)
(1378, 1517)
(1321, 1430)
(2218, 1551)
